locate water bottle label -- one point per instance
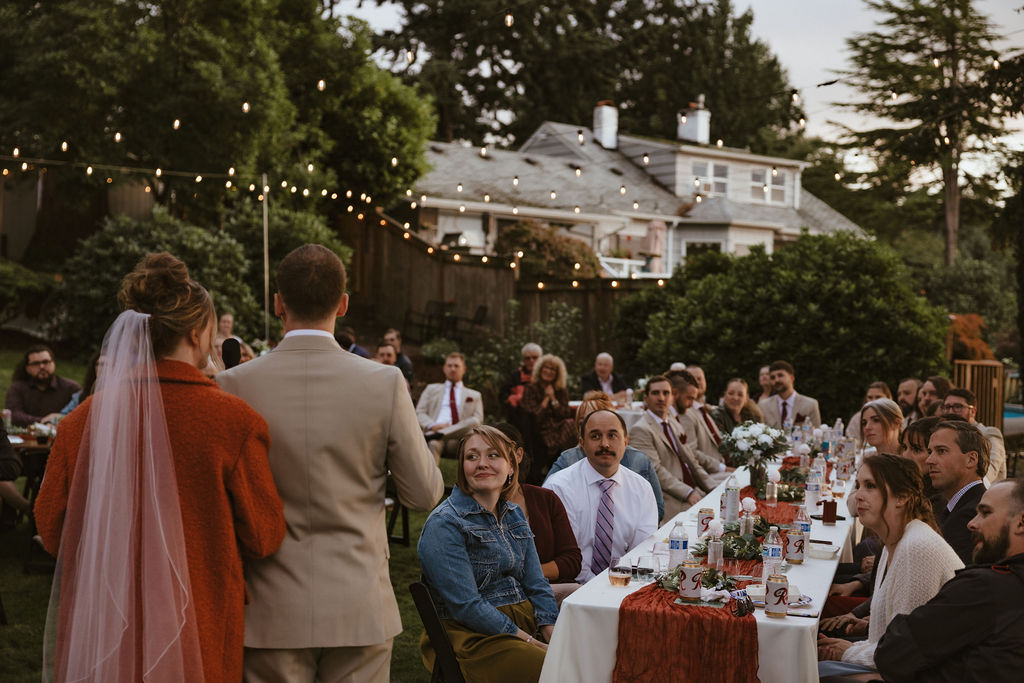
(805, 527)
(678, 544)
(772, 552)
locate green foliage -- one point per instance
(86, 302)
(492, 361)
(548, 255)
(974, 285)
(839, 308)
(22, 290)
(436, 350)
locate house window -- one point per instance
(695, 248)
(768, 186)
(710, 178)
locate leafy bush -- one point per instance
(436, 350)
(22, 290)
(86, 301)
(547, 254)
(839, 308)
(492, 361)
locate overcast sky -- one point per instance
(809, 38)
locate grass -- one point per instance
(25, 596)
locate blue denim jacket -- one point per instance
(474, 563)
(634, 459)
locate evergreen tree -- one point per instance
(921, 69)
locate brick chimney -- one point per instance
(695, 123)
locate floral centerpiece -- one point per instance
(753, 444)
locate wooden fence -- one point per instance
(985, 379)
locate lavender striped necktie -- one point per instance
(602, 554)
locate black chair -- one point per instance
(398, 510)
(446, 666)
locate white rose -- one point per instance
(742, 445)
(715, 528)
(765, 439)
(774, 476)
(757, 429)
(802, 449)
(749, 504)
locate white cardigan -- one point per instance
(921, 563)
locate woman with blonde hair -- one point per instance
(547, 400)
(481, 566)
(880, 422)
(157, 485)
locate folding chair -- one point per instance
(446, 666)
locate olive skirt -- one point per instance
(503, 658)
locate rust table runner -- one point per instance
(693, 643)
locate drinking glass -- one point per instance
(619, 573)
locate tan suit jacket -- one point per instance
(647, 436)
(471, 408)
(803, 407)
(338, 423)
(698, 436)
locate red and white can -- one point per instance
(690, 574)
(776, 596)
(704, 517)
(795, 541)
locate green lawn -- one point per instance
(25, 596)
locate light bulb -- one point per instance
(159, 172)
(309, 168)
(323, 193)
(458, 188)
(177, 124)
(284, 184)
(88, 170)
(410, 56)
(646, 158)
(540, 285)
(515, 211)
(245, 107)
(576, 209)
(487, 197)
(231, 171)
(636, 205)
(227, 184)
(837, 176)
(17, 152)
(305, 192)
(321, 84)
(622, 189)
(515, 181)
(509, 20)
(199, 178)
(579, 136)
(117, 137)
(519, 253)
(553, 194)
(719, 142)
(64, 146)
(394, 161)
(483, 151)
(579, 171)
(935, 62)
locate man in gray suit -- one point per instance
(447, 409)
(322, 608)
(786, 406)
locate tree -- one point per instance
(547, 254)
(922, 69)
(838, 307)
(86, 302)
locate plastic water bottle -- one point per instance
(732, 499)
(771, 553)
(802, 522)
(812, 489)
(678, 546)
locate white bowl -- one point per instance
(822, 551)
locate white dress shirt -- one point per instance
(606, 387)
(444, 415)
(636, 512)
(315, 333)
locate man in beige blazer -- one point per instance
(797, 407)
(685, 388)
(322, 608)
(683, 481)
(442, 426)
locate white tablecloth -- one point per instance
(586, 634)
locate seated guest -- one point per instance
(962, 403)
(702, 435)
(973, 630)
(394, 337)
(560, 558)
(547, 400)
(511, 392)
(346, 338)
(906, 397)
(683, 481)
(880, 422)
(446, 410)
(736, 408)
(601, 378)
(957, 461)
(875, 390)
(10, 469)
(481, 566)
(386, 354)
(226, 325)
(245, 353)
(931, 395)
(786, 406)
(611, 508)
(764, 379)
(914, 564)
(37, 393)
(632, 458)
(914, 445)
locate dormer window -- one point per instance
(709, 178)
(768, 186)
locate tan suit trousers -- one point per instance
(368, 664)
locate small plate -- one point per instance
(15, 439)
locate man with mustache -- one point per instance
(973, 630)
(611, 509)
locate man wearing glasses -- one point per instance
(37, 394)
(963, 404)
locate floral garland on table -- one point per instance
(753, 444)
(710, 578)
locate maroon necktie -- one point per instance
(687, 475)
(452, 403)
(785, 414)
(711, 426)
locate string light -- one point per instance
(245, 107)
(579, 171)
(284, 184)
(88, 170)
(394, 161)
(576, 266)
(796, 97)
(321, 84)
(24, 166)
(177, 124)
(893, 95)
(935, 62)
(458, 188)
(775, 172)
(430, 250)
(554, 194)
(305, 192)
(410, 56)
(462, 208)
(252, 187)
(405, 235)
(231, 171)
(764, 188)
(575, 283)
(995, 64)
(348, 194)
(519, 254)
(622, 189)
(719, 142)
(266, 189)
(350, 208)
(457, 258)
(646, 158)
(579, 134)
(227, 184)
(412, 205)
(682, 118)
(540, 285)
(483, 151)
(293, 189)
(615, 283)
(199, 178)
(636, 205)
(323, 193)
(576, 209)
(487, 198)
(17, 152)
(483, 259)
(512, 265)
(661, 283)
(509, 20)
(803, 122)
(309, 168)
(837, 176)
(159, 172)
(515, 211)
(64, 146)
(359, 216)
(408, 193)
(334, 195)
(515, 181)
(117, 137)
(369, 199)
(698, 199)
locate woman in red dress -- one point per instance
(156, 487)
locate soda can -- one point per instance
(795, 541)
(690, 574)
(704, 517)
(776, 596)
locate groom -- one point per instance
(322, 608)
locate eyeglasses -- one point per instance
(39, 363)
(955, 407)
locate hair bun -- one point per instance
(157, 284)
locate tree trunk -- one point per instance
(951, 190)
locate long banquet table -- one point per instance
(586, 633)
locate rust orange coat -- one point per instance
(229, 504)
